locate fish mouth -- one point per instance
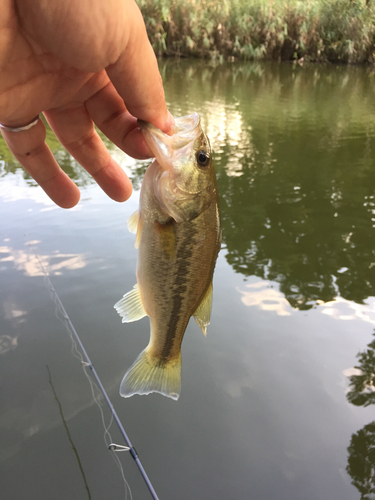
(166, 148)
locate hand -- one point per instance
(79, 62)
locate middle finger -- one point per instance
(75, 130)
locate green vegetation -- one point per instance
(313, 30)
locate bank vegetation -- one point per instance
(314, 30)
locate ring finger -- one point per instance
(30, 149)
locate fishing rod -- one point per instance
(112, 446)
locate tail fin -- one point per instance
(148, 374)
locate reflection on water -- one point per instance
(264, 296)
(30, 264)
(294, 155)
(294, 151)
(361, 460)
(79, 462)
(362, 380)
(7, 343)
(342, 309)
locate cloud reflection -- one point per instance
(7, 343)
(30, 264)
(16, 316)
(345, 310)
(13, 313)
(263, 295)
(16, 187)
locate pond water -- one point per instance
(276, 401)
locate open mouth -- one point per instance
(166, 148)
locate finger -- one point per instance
(32, 152)
(109, 113)
(75, 130)
(136, 75)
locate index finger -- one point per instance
(136, 75)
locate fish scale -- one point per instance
(178, 239)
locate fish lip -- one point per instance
(165, 147)
(183, 126)
(157, 141)
(186, 125)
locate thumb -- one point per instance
(136, 75)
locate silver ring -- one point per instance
(28, 126)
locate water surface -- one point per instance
(276, 402)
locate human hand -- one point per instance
(80, 62)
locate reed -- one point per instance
(314, 30)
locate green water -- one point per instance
(276, 402)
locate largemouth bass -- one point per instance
(178, 240)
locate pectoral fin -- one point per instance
(203, 313)
(135, 226)
(130, 307)
(133, 222)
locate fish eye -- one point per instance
(203, 158)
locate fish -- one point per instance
(178, 237)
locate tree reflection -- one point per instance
(294, 153)
(299, 206)
(302, 228)
(361, 460)
(362, 384)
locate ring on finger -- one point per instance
(21, 128)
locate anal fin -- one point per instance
(203, 313)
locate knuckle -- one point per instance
(84, 140)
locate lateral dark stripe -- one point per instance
(180, 285)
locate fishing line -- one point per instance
(86, 361)
(95, 390)
(68, 433)
(97, 397)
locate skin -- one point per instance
(80, 62)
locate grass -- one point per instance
(314, 30)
